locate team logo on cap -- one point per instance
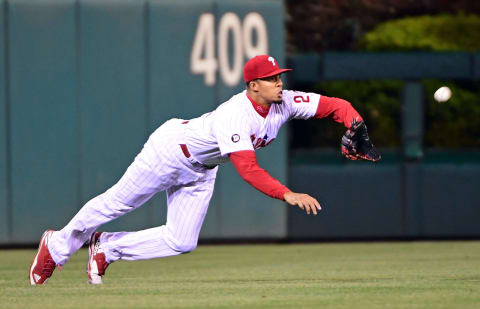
(235, 138)
(271, 60)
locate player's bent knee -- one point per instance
(184, 247)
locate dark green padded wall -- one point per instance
(43, 115)
(448, 202)
(174, 91)
(352, 207)
(4, 165)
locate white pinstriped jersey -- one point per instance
(236, 126)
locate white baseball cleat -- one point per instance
(97, 262)
(43, 264)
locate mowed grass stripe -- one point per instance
(324, 275)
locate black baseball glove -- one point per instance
(356, 144)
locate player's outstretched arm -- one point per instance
(356, 144)
(304, 201)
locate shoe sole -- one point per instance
(91, 246)
(34, 263)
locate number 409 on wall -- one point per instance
(202, 57)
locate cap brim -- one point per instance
(276, 72)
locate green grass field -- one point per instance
(325, 275)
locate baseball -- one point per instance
(442, 94)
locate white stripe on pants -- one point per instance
(161, 165)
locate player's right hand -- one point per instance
(304, 201)
(356, 144)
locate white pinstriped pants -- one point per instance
(161, 165)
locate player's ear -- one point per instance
(253, 85)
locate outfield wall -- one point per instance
(83, 83)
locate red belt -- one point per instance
(185, 150)
(187, 154)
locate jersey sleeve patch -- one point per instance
(231, 131)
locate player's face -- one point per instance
(270, 88)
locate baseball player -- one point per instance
(182, 157)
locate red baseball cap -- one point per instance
(261, 66)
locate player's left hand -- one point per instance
(356, 144)
(303, 201)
